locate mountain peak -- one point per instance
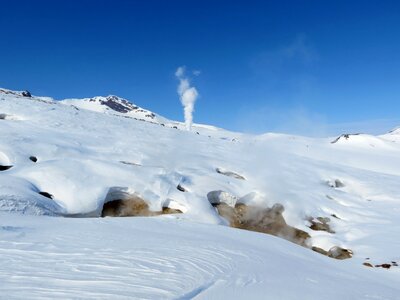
(115, 105)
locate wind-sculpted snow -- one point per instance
(163, 258)
(84, 159)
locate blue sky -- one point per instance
(306, 67)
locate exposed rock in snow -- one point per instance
(33, 158)
(4, 168)
(337, 183)
(46, 194)
(180, 188)
(321, 224)
(229, 173)
(26, 94)
(344, 136)
(133, 207)
(115, 105)
(265, 220)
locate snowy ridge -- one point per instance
(63, 160)
(115, 105)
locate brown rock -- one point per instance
(169, 211)
(319, 250)
(385, 266)
(321, 224)
(133, 207)
(265, 220)
(340, 253)
(368, 265)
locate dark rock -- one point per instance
(33, 158)
(26, 94)
(338, 184)
(367, 264)
(151, 115)
(118, 104)
(181, 188)
(4, 168)
(46, 194)
(345, 136)
(385, 266)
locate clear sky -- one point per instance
(309, 67)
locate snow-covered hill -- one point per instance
(116, 106)
(71, 160)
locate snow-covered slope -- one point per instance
(163, 258)
(82, 159)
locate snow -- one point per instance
(164, 258)
(88, 155)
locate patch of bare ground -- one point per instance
(265, 220)
(133, 207)
(271, 221)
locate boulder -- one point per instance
(26, 94)
(133, 207)
(321, 224)
(265, 220)
(340, 253)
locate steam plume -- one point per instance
(188, 96)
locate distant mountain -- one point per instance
(115, 105)
(395, 131)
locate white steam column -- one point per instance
(188, 96)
